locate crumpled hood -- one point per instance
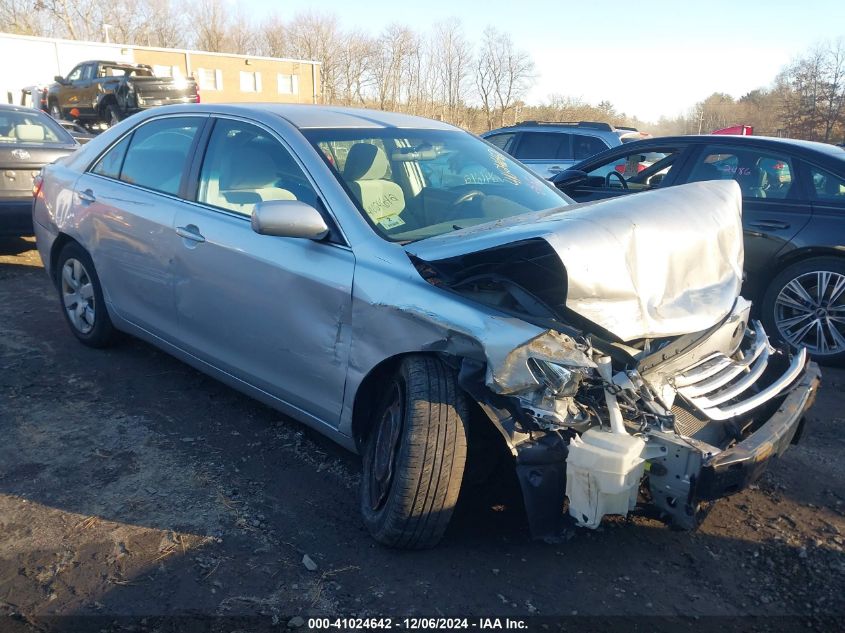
(661, 263)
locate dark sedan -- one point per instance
(793, 218)
(29, 139)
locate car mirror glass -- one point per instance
(289, 218)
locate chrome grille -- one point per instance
(717, 385)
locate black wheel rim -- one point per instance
(389, 432)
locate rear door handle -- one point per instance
(86, 196)
(555, 169)
(769, 224)
(190, 232)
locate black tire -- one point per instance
(113, 115)
(96, 330)
(774, 313)
(412, 508)
(55, 111)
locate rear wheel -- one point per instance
(804, 306)
(415, 455)
(81, 297)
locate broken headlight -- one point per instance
(559, 380)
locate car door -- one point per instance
(545, 153)
(132, 194)
(774, 204)
(271, 311)
(629, 170)
(86, 90)
(67, 91)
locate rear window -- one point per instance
(18, 127)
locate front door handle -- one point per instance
(86, 196)
(764, 225)
(190, 232)
(555, 169)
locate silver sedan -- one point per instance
(405, 287)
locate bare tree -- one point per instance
(503, 74)
(451, 59)
(354, 56)
(211, 25)
(21, 17)
(315, 36)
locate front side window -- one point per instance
(638, 170)
(414, 184)
(158, 153)
(502, 141)
(760, 174)
(827, 186)
(245, 165)
(585, 146)
(75, 74)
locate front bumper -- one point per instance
(738, 467)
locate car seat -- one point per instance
(364, 173)
(752, 181)
(250, 176)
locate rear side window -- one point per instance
(111, 162)
(158, 153)
(759, 173)
(544, 146)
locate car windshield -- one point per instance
(414, 184)
(30, 127)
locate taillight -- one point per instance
(37, 183)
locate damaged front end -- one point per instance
(664, 415)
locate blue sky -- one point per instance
(647, 57)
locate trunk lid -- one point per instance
(21, 162)
(662, 263)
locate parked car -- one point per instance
(547, 148)
(107, 92)
(79, 133)
(29, 139)
(793, 215)
(301, 255)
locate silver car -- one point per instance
(405, 288)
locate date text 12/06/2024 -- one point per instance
(419, 624)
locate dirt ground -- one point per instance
(132, 486)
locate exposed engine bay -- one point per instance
(618, 400)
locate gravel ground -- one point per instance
(132, 486)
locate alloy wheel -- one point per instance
(78, 295)
(810, 312)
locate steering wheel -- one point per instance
(618, 175)
(469, 195)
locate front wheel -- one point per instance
(804, 306)
(415, 455)
(81, 297)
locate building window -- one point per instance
(210, 79)
(167, 71)
(288, 84)
(250, 82)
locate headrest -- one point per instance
(29, 132)
(250, 168)
(365, 161)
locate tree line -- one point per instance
(439, 73)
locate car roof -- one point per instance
(307, 116)
(9, 107)
(730, 139)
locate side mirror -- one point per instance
(59, 79)
(288, 218)
(569, 178)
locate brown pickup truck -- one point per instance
(108, 92)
